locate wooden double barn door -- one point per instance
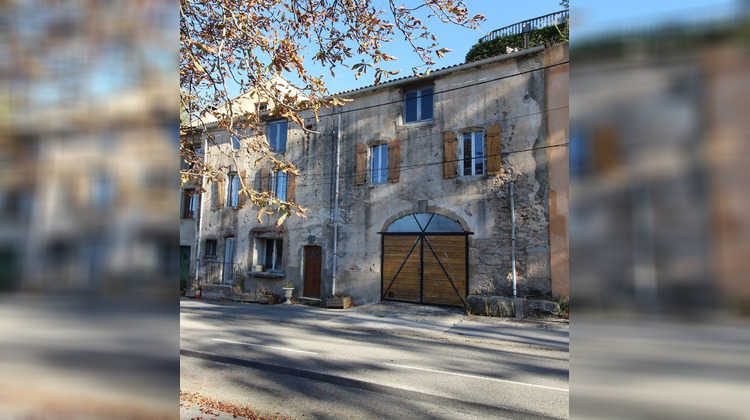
(426, 268)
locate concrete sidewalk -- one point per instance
(402, 319)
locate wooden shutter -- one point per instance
(394, 160)
(243, 196)
(219, 191)
(291, 186)
(265, 179)
(494, 160)
(449, 154)
(605, 149)
(360, 176)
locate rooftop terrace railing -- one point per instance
(536, 23)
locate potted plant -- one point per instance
(288, 289)
(197, 291)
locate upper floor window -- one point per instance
(276, 135)
(262, 107)
(379, 163)
(418, 105)
(472, 153)
(235, 141)
(188, 204)
(192, 155)
(234, 189)
(279, 185)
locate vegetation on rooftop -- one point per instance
(550, 35)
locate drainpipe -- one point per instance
(513, 239)
(336, 204)
(200, 216)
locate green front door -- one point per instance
(184, 266)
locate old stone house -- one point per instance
(408, 190)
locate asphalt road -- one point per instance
(319, 371)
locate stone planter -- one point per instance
(288, 295)
(264, 298)
(339, 302)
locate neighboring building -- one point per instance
(659, 129)
(407, 190)
(97, 218)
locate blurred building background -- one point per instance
(658, 147)
(659, 221)
(89, 134)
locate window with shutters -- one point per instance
(472, 153)
(279, 186)
(384, 163)
(276, 135)
(283, 186)
(418, 105)
(379, 163)
(234, 188)
(187, 206)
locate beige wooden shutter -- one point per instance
(494, 159)
(265, 179)
(219, 191)
(243, 196)
(291, 187)
(361, 171)
(449, 154)
(394, 160)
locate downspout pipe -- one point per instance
(336, 205)
(513, 240)
(200, 216)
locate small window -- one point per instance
(236, 141)
(472, 153)
(276, 135)
(418, 105)
(188, 204)
(263, 107)
(379, 163)
(210, 247)
(269, 253)
(234, 188)
(279, 185)
(193, 154)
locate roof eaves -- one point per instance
(440, 72)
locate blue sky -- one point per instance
(497, 13)
(593, 17)
(588, 18)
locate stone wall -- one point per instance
(472, 98)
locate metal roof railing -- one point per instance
(536, 23)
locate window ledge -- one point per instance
(210, 257)
(417, 123)
(267, 274)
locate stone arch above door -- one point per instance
(437, 211)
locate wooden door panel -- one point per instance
(313, 263)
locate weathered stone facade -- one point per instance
(509, 92)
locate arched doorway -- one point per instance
(424, 259)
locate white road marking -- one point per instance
(479, 377)
(260, 345)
